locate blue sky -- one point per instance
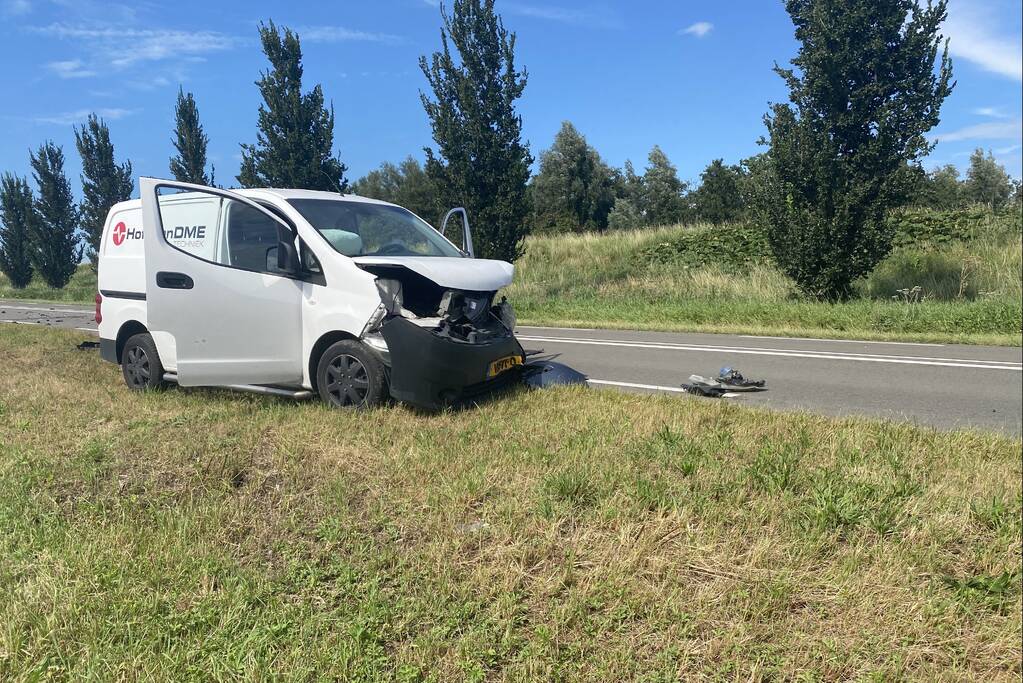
(693, 77)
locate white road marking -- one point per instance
(741, 336)
(633, 385)
(837, 341)
(653, 388)
(792, 353)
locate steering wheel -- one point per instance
(392, 249)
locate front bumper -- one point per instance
(433, 372)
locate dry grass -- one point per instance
(566, 535)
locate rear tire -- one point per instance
(140, 364)
(351, 376)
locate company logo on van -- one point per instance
(186, 232)
(182, 235)
(121, 232)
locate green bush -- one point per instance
(729, 247)
(926, 227)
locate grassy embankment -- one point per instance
(702, 278)
(967, 265)
(564, 535)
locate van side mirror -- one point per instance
(466, 231)
(282, 259)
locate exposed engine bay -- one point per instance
(461, 316)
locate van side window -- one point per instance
(190, 223)
(249, 235)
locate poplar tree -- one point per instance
(845, 149)
(295, 141)
(104, 182)
(56, 250)
(481, 161)
(190, 141)
(16, 216)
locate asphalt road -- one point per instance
(945, 386)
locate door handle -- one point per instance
(173, 280)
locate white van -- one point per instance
(292, 292)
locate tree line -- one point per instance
(840, 154)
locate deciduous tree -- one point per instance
(56, 250)
(986, 180)
(104, 181)
(718, 199)
(481, 161)
(574, 190)
(16, 216)
(863, 93)
(663, 192)
(406, 185)
(295, 141)
(189, 164)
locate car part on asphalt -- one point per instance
(733, 380)
(543, 374)
(701, 390)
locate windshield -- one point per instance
(364, 229)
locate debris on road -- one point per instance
(732, 379)
(701, 386)
(541, 374)
(727, 381)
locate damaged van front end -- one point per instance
(441, 334)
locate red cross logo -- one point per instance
(119, 232)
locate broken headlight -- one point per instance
(390, 295)
(459, 307)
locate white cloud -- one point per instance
(71, 68)
(16, 8)
(1008, 150)
(590, 18)
(81, 115)
(121, 47)
(699, 29)
(973, 35)
(338, 34)
(991, 112)
(994, 130)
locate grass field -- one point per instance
(565, 535)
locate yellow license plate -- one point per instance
(503, 364)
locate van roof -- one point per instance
(282, 193)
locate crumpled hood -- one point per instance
(477, 275)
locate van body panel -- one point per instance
(343, 308)
(478, 275)
(229, 326)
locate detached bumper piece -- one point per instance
(433, 372)
(542, 374)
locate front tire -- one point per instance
(349, 375)
(140, 364)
